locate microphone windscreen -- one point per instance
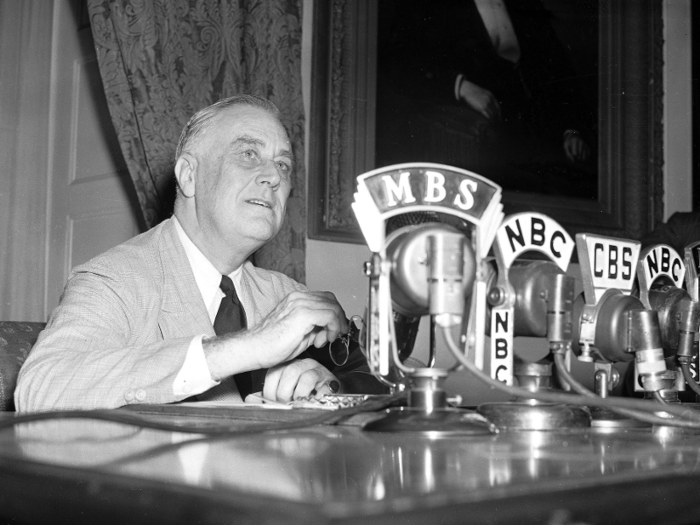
(423, 217)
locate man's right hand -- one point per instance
(480, 99)
(300, 320)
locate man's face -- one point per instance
(244, 177)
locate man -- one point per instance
(135, 325)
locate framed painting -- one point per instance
(383, 93)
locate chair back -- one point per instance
(16, 340)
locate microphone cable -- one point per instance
(329, 417)
(685, 417)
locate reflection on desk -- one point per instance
(343, 473)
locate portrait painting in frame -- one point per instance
(606, 86)
(504, 88)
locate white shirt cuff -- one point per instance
(458, 84)
(194, 376)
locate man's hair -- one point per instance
(199, 121)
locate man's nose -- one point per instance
(269, 175)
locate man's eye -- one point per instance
(250, 154)
(283, 166)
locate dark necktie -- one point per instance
(231, 318)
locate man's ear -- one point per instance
(186, 174)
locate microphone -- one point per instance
(432, 272)
(429, 228)
(661, 273)
(446, 285)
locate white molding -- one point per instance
(678, 129)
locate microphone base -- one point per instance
(605, 419)
(540, 416)
(440, 422)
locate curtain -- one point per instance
(162, 60)
(25, 60)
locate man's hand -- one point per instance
(296, 379)
(575, 148)
(480, 99)
(300, 320)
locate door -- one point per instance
(91, 200)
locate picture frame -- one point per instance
(630, 115)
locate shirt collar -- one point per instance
(206, 275)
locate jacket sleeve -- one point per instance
(102, 348)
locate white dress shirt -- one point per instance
(194, 377)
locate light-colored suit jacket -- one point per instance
(124, 324)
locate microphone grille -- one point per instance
(423, 217)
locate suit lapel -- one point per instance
(183, 310)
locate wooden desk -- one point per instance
(85, 471)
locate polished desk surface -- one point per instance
(90, 471)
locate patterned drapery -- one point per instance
(162, 60)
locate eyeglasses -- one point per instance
(340, 353)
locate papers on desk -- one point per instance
(256, 400)
(234, 404)
(327, 402)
